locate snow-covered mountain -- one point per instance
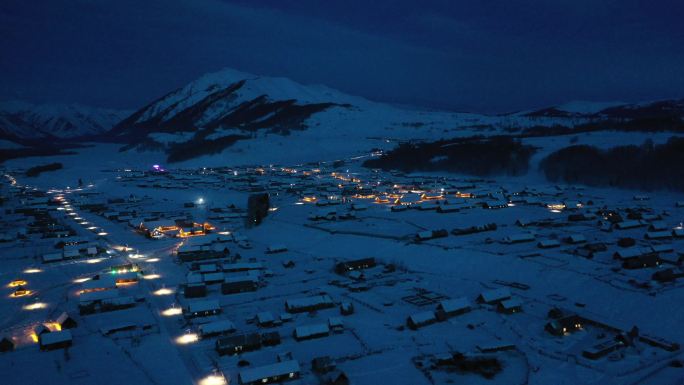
(612, 110)
(236, 110)
(230, 114)
(21, 120)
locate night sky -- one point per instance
(485, 56)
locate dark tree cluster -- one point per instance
(474, 156)
(37, 170)
(645, 167)
(257, 208)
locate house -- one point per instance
(276, 249)
(53, 257)
(268, 374)
(602, 349)
(419, 320)
(431, 234)
(519, 238)
(509, 306)
(241, 284)
(238, 343)
(452, 307)
(336, 324)
(564, 325)
(265, 319)
(474, 229)
(195, 290)
(657, 226)
(632, 253)
(270, 338)
(202, 308)
(6, 344)
(494, 296)
(346, 308)
(641, 261)
(659, 342)
(307, 332)
(55, 340)
(662, 234)
(305, 304)
(629, 224)
(216, 328)
(548, 243)
(357, 264)
(65, 321)
(575, 239)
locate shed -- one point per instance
(265, 319)
(267, 374)
(55, 340)
(216, 328)
(65, 321)
(509, 306)
(311, 331)
(494, 296)
(419, 320)
(305, 304)
(238, 343)
(203, 308)
(270, 338)
(453, 307)
(6, 344)
(195, 290)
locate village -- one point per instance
(330, 273)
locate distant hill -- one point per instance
(21, 121)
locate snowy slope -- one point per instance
(28, 121)
(235, 110)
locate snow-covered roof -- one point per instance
(273, 370)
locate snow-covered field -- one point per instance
(322, 216)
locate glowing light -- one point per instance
(163, 291)
(152, 276)
(17, 282)
(53, 326)
(92, 228)
(102, 233)
(172, 311)
(81, 280)
(78, 219)
(33, 270)
(21, 293)
(85, 223)
(213, 379)
(187, 339)
(152, 260)
(135, 256)
(200, 201)
(95, 260)
(34, 337)
(35, 306)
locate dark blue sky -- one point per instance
(487, 55)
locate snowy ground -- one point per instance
(375, 345)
